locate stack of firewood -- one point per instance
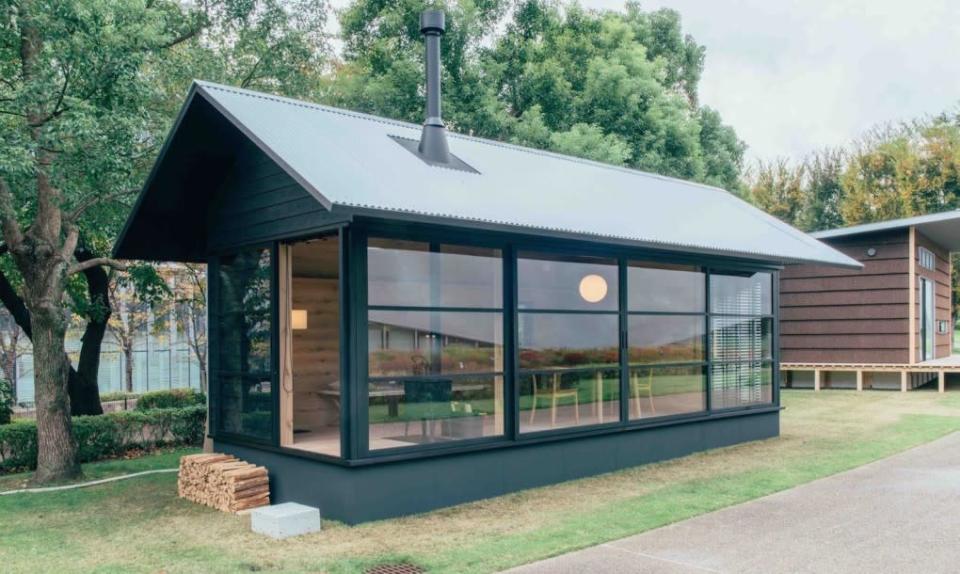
(224, 482)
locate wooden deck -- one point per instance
(940, 367)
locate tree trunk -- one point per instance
(57, 449)
(84, 387)
(128, 367)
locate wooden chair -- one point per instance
(642, 387)
(554, 393)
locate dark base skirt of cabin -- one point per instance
(384, 490)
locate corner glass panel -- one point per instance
(665, 391)
(660, 287)
(568, 283)
(244, 317)
(741, 384)
(741, 294)
(666, 338)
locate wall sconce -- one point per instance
(298, 319)
(593, 288)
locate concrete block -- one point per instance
(285, 520)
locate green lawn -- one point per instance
(140, 526)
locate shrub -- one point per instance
(6, 402)
(117, 396)
(172, 399)
(108, 435)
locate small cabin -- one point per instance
(888, 325)
(400, 320)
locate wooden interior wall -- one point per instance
(316, 353)
(942, 293)
(839, 315)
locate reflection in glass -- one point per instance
(551, 399)
(429, 410)
(664, 391)
(741, 384)
(746, 294)
(244, 326)
(551, 340)
(569, 283)
(410, 274)
(741, 338)
(662, 287)
(433, 342)
(666, 338)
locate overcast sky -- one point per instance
(792, 76)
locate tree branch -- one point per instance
(97, 262)
(93, 200)
(12, 233)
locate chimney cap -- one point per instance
(432, 22)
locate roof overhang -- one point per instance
(941, 228)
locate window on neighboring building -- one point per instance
(927, 259)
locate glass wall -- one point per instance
(665, 333)
(741, 336)
(435, 343)
(569, 341)
(244, 368)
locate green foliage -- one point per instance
(618, 87)
(116, 396)
(6, 401)
(172, 399)
(107, 435)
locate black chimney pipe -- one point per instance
(433, 140)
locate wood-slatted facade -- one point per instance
(832, 315)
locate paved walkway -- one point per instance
(897, 515)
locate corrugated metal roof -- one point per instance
(350, 159)
(942, 228)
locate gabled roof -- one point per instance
(941, 228)
(352, 162)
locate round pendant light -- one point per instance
(593, 288)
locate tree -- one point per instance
(10, 340)
(190, 292)
(824, 190)
(619, 87)
(87, 90)
(777, 188)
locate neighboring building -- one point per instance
(396, 327)
(888, 325)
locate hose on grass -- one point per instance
(85, 484)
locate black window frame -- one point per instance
(354, 323)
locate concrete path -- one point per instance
(897, 515)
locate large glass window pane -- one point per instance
(414, 411)
(569, 283)
(563, 340)
(662, 287)
(552, 399)
(419, 343)
(244, 329)
(414, 274)
(741, 384)
(741, 338)
(666, 338)
(664, 391)
(741, 294)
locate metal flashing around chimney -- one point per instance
(454, 162)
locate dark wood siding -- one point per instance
(258, 201)
(845, 316)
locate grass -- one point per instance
(140, 525)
